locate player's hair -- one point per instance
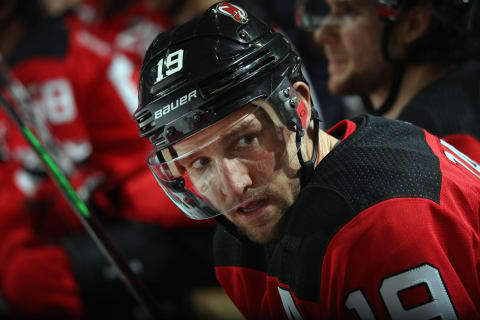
(447, 40)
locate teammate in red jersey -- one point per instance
(375, 218)
(84, 94)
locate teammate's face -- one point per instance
(235, 172)
(353, 47)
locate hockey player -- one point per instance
(375, 218)
(409, 60)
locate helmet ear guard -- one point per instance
(296, 117)
(287, 108)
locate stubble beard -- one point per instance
(269, 229)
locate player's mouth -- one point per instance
(336, 65)
(252, 209)
(337, 60)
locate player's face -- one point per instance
(243, 174)
(352, 46)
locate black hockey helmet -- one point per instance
(202, 72)
(209, 67)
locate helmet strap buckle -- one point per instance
(308, 167)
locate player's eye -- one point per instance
(344, 11)
(200, 163)
(246, 140)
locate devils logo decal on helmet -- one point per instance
(232, 11)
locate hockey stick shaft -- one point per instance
(89, 221)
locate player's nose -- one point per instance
(235, 177)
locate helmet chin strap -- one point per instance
(399, 68)
(308, 167)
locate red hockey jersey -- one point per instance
(388, 227)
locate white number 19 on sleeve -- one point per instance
(391, 287)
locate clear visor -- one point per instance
(311, 14)
(230, 164)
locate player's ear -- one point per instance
(415, 23)
(412, 25)
(303, 92)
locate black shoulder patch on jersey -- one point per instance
(382, 159)
(49, 39)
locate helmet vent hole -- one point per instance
(144, 116)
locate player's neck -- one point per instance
(415, 79)
(326, 143)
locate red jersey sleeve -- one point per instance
(411, 258)
(466, 144)
(399, 259)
